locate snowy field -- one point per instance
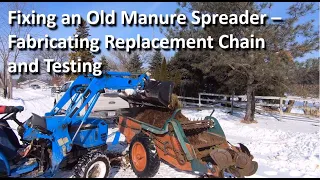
(288, 148)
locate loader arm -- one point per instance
(63, 132)
(91, 88)
(85, 91)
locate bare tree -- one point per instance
(123, 58)
(113, 66)
(57, 56)
(10, 55)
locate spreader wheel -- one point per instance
(93, 165)
(143, 156)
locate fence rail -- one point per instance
(239, 102)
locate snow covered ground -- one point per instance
(287, 148)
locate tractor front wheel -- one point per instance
(93, 165)
(143, 156)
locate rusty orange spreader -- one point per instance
(197, 146)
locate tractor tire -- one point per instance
(143, 156)
(96, 161)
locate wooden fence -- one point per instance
(238, 102)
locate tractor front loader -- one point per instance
(60, 138)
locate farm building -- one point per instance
(32, 83)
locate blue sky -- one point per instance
(82, 8)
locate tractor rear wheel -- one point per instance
(143, 156)
(93, 165)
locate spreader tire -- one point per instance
(93, 165)
(143, 156)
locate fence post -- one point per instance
(281, 112)
(199, 99)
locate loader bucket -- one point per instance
(156, 93)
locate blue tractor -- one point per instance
(62, 137)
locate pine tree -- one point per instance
(135, 64)
(81, 54)
(163, 72)
(155, 64)
(269, 68)
(105, 64)
(156, 73)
